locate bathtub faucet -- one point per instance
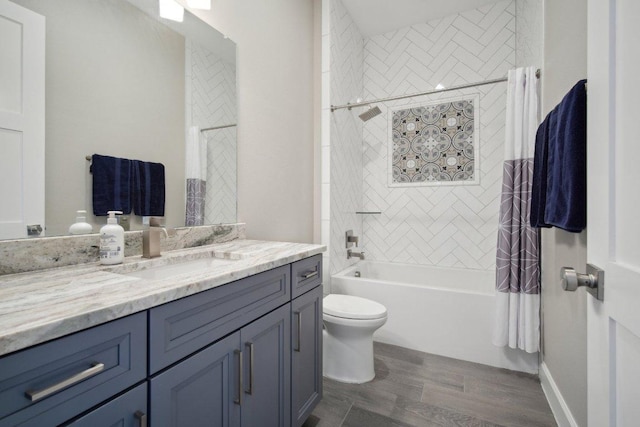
(353, 254)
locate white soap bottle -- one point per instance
(112, 241)
(81, 226)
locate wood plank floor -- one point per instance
(412, 388)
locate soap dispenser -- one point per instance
(81, 226)
(112, 241)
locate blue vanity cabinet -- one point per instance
(53, 382)
(267, 370)
(203, 390)
(306, 355)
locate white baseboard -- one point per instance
(559, 407)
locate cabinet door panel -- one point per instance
(306, 354)
(267, 386)
(200, 390)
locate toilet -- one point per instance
(349, 324)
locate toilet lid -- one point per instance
(350, 307)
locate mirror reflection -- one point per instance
(122, 82)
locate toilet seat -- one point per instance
(352, 307)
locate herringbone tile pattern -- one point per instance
(346, 133)
(213, 103)
(528, 33)
(452, 226)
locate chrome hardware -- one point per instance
(250, 345)
(151, 237)
(238, 400)
(357, 273)
(593, 281)
(34, 230)
(142, 418)
(353, 254)
(298, 345)
(350, 239)
(310, 274)
(36, 395)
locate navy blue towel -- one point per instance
(562, 191)
(540, 167)
(148, 188)
(111, 184)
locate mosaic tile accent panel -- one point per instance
(435, 144)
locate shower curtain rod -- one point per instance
(393, 98)
(218, 127)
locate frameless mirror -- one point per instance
(121, 81)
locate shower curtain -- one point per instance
(517, 322)
(196, 174)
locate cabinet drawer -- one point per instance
(66, 376)
(306, 274)
(182, 327)
(128, 410)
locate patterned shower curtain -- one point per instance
(517, 268)
(196, 174)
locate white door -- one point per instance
(614, 211)
(22, 61)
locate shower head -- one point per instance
(370, 113)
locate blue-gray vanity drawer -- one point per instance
(306, 274)
(182, 327)
(61, 378)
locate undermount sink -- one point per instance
(188, 267)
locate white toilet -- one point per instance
(349, 324)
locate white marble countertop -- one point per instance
(39, 306)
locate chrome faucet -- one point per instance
(151, 238)
(354, 254)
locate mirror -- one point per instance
(122, 82)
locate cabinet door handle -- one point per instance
(310, 274)
(36, 395)
(142, 418)
(250, 345)
(238, 400)
(298, 343)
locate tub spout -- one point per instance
(354, 254)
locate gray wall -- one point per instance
(564, 314)
(114, 86)
(276, 99)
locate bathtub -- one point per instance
(445, 311)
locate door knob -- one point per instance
(593, 280)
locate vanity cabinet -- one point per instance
(306, 355)
(245, 353)
(53, 382)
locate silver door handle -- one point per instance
(238, 400)
(36, 395)
(310, 274)
(298, 344)
(142, 418)
(250, 345)
(593, 280)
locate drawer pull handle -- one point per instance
(238, 400)
(142, 418)
(310, 274)
(36, 395)
(250, 345)
(298, 343)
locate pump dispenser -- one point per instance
(112, 240)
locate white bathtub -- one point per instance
(445, 311)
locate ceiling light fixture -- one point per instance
(199, 4)
(169, 9)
